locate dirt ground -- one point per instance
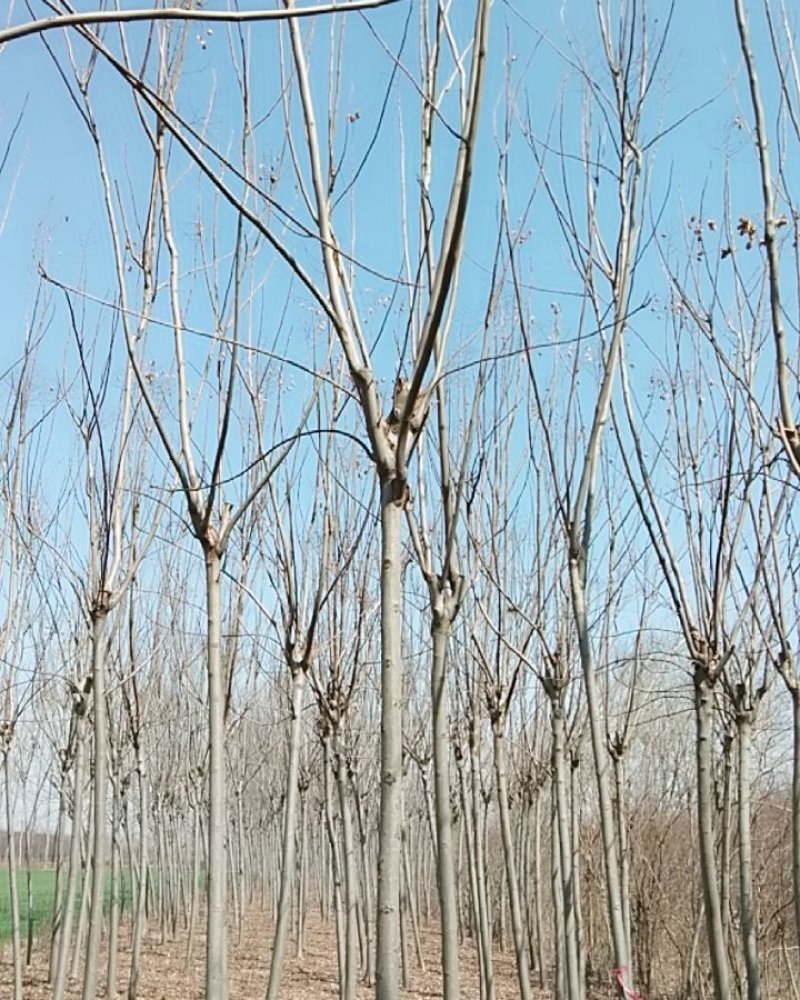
(165, 975)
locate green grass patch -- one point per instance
(43, 885)
(43, 882)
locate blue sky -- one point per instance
(55, 214)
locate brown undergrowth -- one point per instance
(165, 974)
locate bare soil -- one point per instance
(165, 974)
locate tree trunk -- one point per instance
(238, 876)
(83, 915)
(575, 813)
(566, 887)
(746, 901)
(348, 990)
(366, 869)
(518, 930)
(302, 888)
(387, 979)
(484, 919)
(412, 905)
(620, 942)
(29, 895)
(139, 915)
(58, 910)
(100, 822)
(68, 903)
(16, 942)
(703, 700)
(115, 894)
(537, 886)
(726, 838)
(469, 841)
(335, 866)
(288, 846)
(216, 940)
(620, 785)
(195, 882)
(557, 891)
(445, 869)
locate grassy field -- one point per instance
(43, 882)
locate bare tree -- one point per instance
(605, 262)
(392, 433)
(202, 478)
(781, 36)
(713, 458)
(17, 478)
(303, 587)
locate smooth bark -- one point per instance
(517, 924)
(288, 845)
(348, 986)
(744, 727)
(336, 867)
(703, 699)
(216, 940)
(390, 826)
(116, 891)
(100, 800)
(621, 944)
(484, 917)
(140, 902)
(566, 888)
(68, 902)
(13, 891)
(445, 866)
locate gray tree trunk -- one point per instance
(116, 892)
(575, 813)
(216, 939)
(704, 707)
(83, 919)
(366, 869)
(411, 900)
(568, 936)
(621, 944)
(140, 905)
(469, 839)
(58, 913)
(484, 920)
(537, 885)
(620, 785)
(517, 924)
(288, 845)
(195, 880)
(302, 888)
(100, 820)
(16, 942)
(68, 903)
(746, 901)
(726, 837)
(445, 867)
(557, 891)
(389, 830)
(335, 866)
(348, 988)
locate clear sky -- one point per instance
(53, 215)
(49, 195)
